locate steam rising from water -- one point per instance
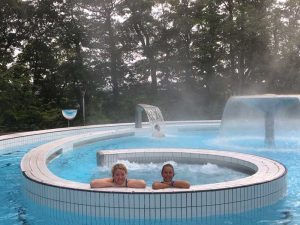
(244, 116)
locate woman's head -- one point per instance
(119, 173)
(167, 172)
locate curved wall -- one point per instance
(266, 186)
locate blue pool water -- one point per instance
(80, 165)
(14, 209)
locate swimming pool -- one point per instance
(80, 164)
(15, 209)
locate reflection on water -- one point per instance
(287, 217)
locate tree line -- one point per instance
(185, 56)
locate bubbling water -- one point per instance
(194, 173)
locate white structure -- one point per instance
(265, 184)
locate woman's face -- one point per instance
(167, 174)
(119, 176)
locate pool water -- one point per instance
(15, 209)
(80, 165)
(13, 205)
(195, 174)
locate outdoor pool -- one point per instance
(17, 209)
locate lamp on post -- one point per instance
(83, 90)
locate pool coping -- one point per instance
(108, 126)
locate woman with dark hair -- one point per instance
(168, 173)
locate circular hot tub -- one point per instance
(265, 185)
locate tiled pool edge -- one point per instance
(260, 170)
(23, 138)
(19, 139)
(147, 204)
(144, 205)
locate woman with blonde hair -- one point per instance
(118, 179)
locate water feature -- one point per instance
(153, 113)
(260, 116)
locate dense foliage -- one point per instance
(185, 56)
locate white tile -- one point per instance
(131, 199)
(178, 213)
(75, 209)
(158, 213)
(234, 207)
(253, 193)
(121, 212)
(147, 213)
(194, 213)
(126, 201)
(163, 200)
(63, 194)
(228, 209)
(193, 199)
(152, 203)
(226, 196)
(92, 211)
(220, 197)
(120, 200)
(203, 211)
(186, 212)
(147, 201)
(220, 209)
(239, 207)
(132, 213)
(84, 210)
(152, 213)
(184, 200)
(211, 210)
(243, 195)
(178, 199)
(168, 212)
(83, 197)
(126, 213)
(239, 194)
(234, 195)
(201, 198)
(139, 200)
(247, 205)
(140, 213)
